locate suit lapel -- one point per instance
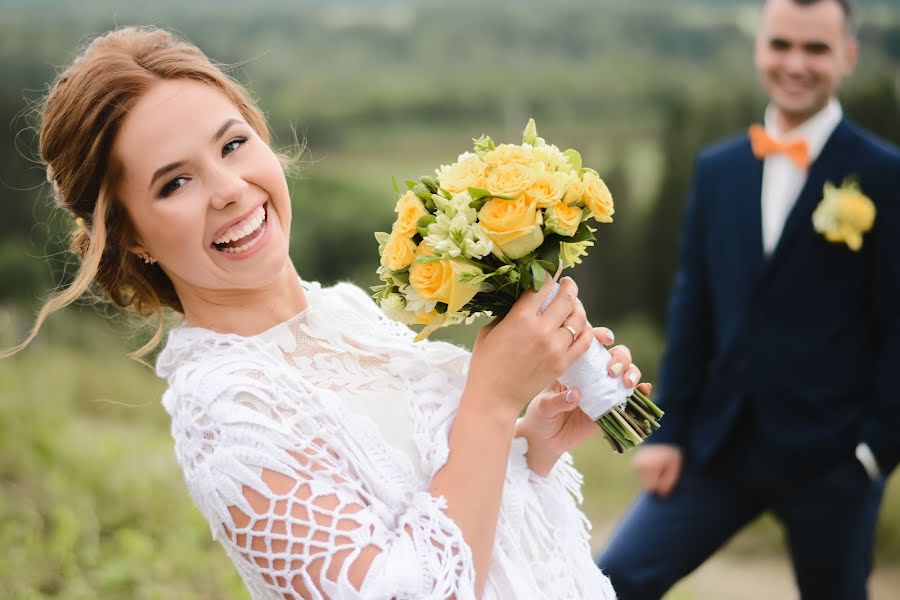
(749, 189)
(825, 168)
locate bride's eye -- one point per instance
(172, 187)
(232, 146)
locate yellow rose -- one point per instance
(439, 280)
(468, 171)
(409, 210)
(597, 198)
(513, 225)
(844, 214)
(547, 188)
(509, 180)
(399, 251)
(508, 154)
(563, 219)
(574, 193)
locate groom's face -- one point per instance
(802, 54)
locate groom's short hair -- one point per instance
(846, 6)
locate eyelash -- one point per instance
(169, 188)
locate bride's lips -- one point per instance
(255, 239)
(221, 230)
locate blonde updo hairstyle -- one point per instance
(79, 120)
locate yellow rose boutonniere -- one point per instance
(844, 214)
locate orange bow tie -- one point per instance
(763, 145)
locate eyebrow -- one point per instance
(166, 169)
(178, 164)
(221, 131)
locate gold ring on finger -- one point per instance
(571, 330)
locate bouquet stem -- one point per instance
(626, 415)
(626, 427)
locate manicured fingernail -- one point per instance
(610, 335)
(617, 369)
(633, 378)
(570, 397)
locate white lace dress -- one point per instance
(335, 423)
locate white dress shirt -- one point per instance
(782, 179)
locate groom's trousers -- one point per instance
(829, 520)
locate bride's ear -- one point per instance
(141, 252)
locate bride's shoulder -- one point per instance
(200, 365)
(350, 295)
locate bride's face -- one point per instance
(207, 196)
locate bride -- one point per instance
(332, 456)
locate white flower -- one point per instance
(454, 231)
(457, 204)
(395, 307)
(416, 304)
(458, 237)
(552, 158)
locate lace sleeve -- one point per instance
(280, 487)
(547, 534)
(559, 494)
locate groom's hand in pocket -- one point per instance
(659, 468)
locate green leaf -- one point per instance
(583, 234)
(410, 184)
(574, 158)
(547, 266)
(401, 276)
(478, 193)
(476, 204)
(421, 190)
(549, 251)
(525, 277)
(423, 223)
(524, 260)
(538, 274)
(381, 237)
(396, 185)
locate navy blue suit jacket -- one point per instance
(809, 336)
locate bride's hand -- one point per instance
(519, 355)
(551, 424)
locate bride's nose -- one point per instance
(226, 187)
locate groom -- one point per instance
(781, 379)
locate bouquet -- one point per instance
(468, 241)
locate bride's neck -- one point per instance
(245, 311)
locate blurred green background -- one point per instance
(92, 503)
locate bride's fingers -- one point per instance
(562, 305)
(645, 388)
(560, 402)
(620, 361)
(632, 376)
(604, 335)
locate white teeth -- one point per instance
(243, 228)
(246, 246)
